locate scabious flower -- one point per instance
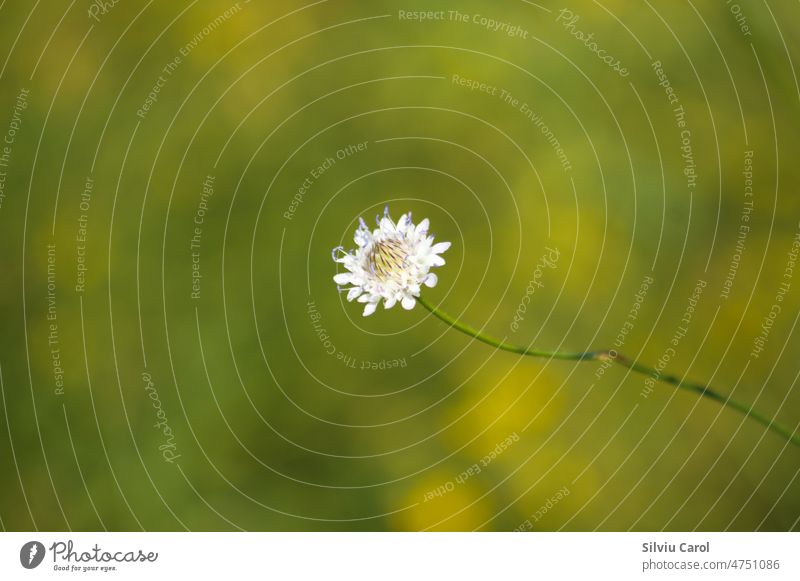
(390, 262)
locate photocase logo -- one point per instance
(31, 554)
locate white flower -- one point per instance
(389, 263)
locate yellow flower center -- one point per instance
(388, 259)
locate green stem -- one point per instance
(619, 359)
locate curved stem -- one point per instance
(619, 359)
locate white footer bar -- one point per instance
(371, 556)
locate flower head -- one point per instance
(390, 262)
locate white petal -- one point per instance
(389, 303)
(431, 280)
(342, 278)
(362, 236)
(437, 260)
(369, 308)
(423, 226)
(408, 303)
(387, 225)
(440, 247)
(353, 293)
(363, 298)
(403, 222)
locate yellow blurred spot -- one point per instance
(501, 400)
(449, 506)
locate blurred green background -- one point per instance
(268, 423)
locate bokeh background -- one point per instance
(260, 399)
